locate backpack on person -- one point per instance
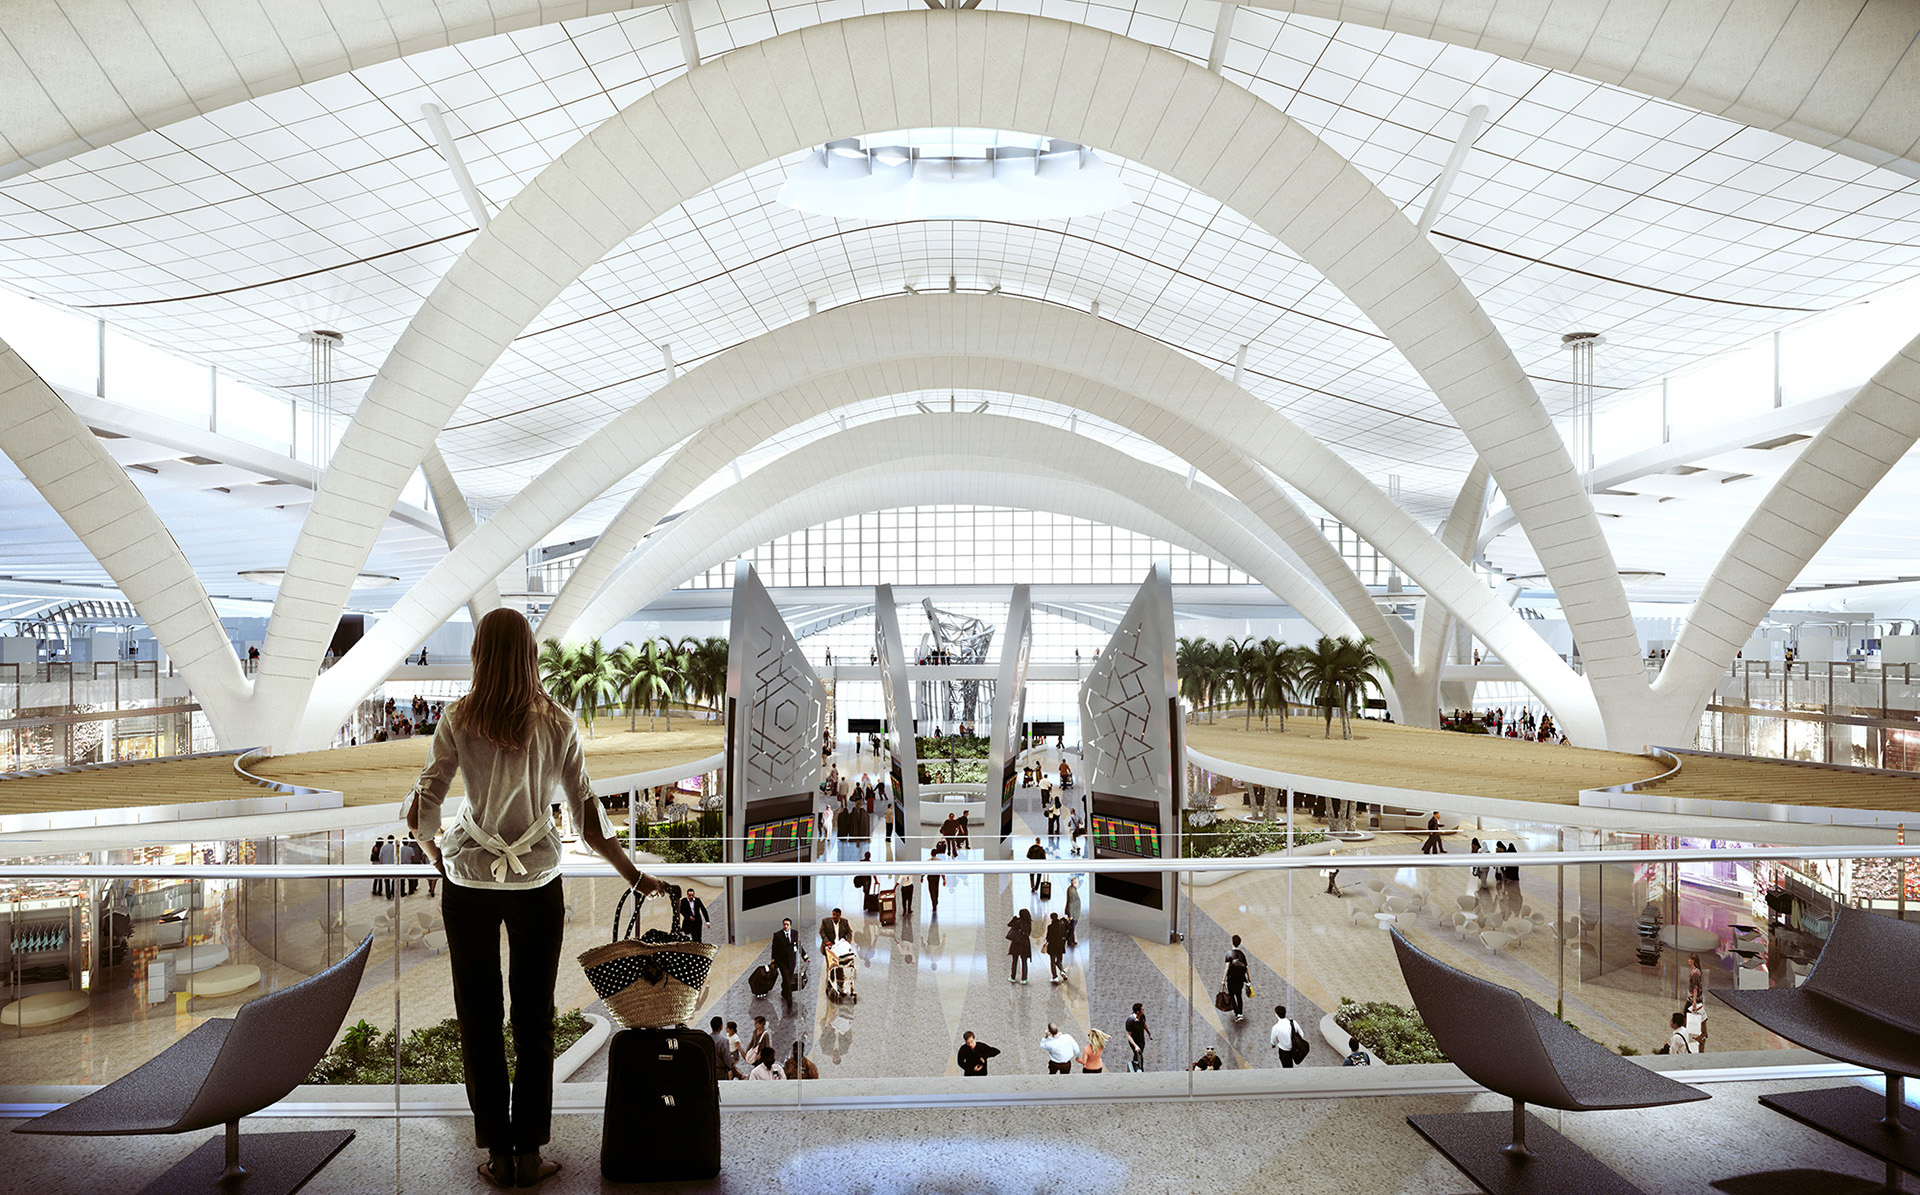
(1300, 1048)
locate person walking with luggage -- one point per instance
(786, 956)
(903, 896)
(512, 745)
(1019, 945)
(1285, 1038)
(722, 1046)
(693, 916)
(1057, 946)
(972, 1055)
(1061, 1050)
(1138, 1035)
(1236, 980)
(1072, 913)
(1036, 851)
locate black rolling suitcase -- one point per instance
(663, 1107)
(760, 982)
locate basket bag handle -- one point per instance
(673, 894)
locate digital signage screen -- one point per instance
(788, 834)
(1126, 836)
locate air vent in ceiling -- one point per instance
(273, 481)
(199, 460)
(144, 468)
(1685, 470)
(1735, 477)
(1780, 441)
(106, 435)
(1618, 493)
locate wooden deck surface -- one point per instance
(368, 774)
(1440, 761)
(1707, 778)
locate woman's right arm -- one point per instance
(423, 801)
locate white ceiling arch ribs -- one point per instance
(1180, 393)
(1841, 76)
(603, 604)
(1838, 75)
(92, 494)
(982, 69)
(997, 451)
(1824, 484)
(985, 370)
(456, 521)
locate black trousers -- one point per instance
(1237, 992)
(1059, 1068)
(508, 1117)
(1019, 965)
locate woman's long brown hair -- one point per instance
(507, 696)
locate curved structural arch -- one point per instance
(940, 68)
(709, 452)
(1834, 75)
(1179, 399)
(88, 489)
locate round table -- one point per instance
(1689, 938)
(48, 1008)
(222, 981)
(188, 960)
(1386, 920)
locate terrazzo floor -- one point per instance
(1320, 1146)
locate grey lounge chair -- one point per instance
(1513, 1047)
(1859, 1005)
(226, 1069)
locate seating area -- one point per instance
(227, 1069)
(1513, 1047)
(1847, 1009)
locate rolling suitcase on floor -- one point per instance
(1046, 889)
(762, 979)
(663, 1107)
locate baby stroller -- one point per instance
(841, 988)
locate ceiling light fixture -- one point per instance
(953, 174)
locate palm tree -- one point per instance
(556, 671)
(1248, 674)
(1188, 665)
(706, 672)
(1290, 675)
(1337, 672)
(1361, 667)
(594, 679)
(1321, 677)
(1270, 675)
(649, 676)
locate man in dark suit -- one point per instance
(834, 929)
(693, 915)
(786, 952)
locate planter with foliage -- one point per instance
(950, 746)
(429, 1055)
(1234, 839)
(1393, 1033)
(693, 840)
(949, 771)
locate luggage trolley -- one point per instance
(841, 987)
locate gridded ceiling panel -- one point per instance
(1581, 207)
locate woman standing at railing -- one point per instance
(513, 746)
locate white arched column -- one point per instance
(916, 69)
(89, 490)
(456, 520)
(711, 450)
(1178, 394)
(918, 445)
(1011, 440)
(1830, 477)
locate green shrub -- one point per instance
(961, 771)
(428, 1055)
(695, 840)
(950, 747)
(1230, 838)
(1393, 1032)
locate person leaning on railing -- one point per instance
(513, 746)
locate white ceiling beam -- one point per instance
(456, 165)
(1222, 37)
(1437, 198)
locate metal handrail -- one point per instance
(585, 869)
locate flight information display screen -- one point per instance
(1126, 836)
(779, 837)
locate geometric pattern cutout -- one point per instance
(1119, 746)
(783, 714)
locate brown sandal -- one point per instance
(498, 1172)
(530, 1171)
